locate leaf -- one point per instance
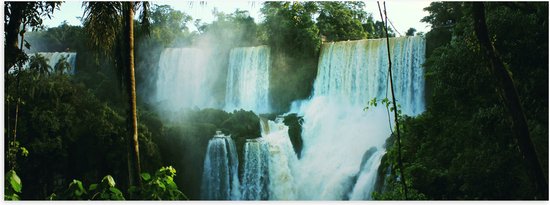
(14, 181)
(116, 192)
(108, 180)
(146, 176)
(92, 187)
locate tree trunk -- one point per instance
(395, 115)
(131, 89)
(12, 32)
(511, 100)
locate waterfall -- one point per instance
(220, 177)
(357, 71)
(54, 58)
(255, 179)
(367, 177)
(282, 160)
(248, 79)
(337, 131)
(185, 79)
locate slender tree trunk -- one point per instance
(511, 100)
(18, 102)
(399, 161)
(131, 89)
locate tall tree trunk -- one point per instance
(131, 89)
(395, 115)
(12, 31)
(511, 100)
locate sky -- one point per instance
(403, 14)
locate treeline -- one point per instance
(464, 145)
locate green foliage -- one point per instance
(39, 64)
(463, 146)
(62, 66)
(161, 186)
(295, 41)
(410, 32)
(68, 132)
(105, 190)
(59, 39)
(13, 185)
(340, 21)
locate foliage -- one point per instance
(62, 38)
(462, 147)
(39, 64)
(13, 186)
(69, 133)
(295, 42)
(105, 190)
(339, 21)
(19, 15)
(161, 186)
(411, 32)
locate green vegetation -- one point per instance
(463, 146)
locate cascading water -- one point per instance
(342, 143)
(337, 133)
(220, 177)
(255, 179)
(185, 79)
(282, 160)
(248, 79)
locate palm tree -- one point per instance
(39, 63)
(102, 21)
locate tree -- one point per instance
(462, 146)
(22, 14)
(510, 98)
(410, 32)
(294, 39)
(339, 21)
(102, 20)
(39, 64)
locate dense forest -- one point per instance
(96, 134)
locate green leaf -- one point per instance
(92, 187)
(109, 181)
(117, 192)
(146, 176)
(14, 181)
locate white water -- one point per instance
(282, 160)
(220, 176)
(367, 178)
(255, 179)
(336, 131)
(185, 79)
(248, 79)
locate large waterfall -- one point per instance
(220, 177)
(337, 132)
(343, 136)
(185, 79)
(248, 79)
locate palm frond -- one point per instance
(103, 22)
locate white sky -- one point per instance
(403, 14)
